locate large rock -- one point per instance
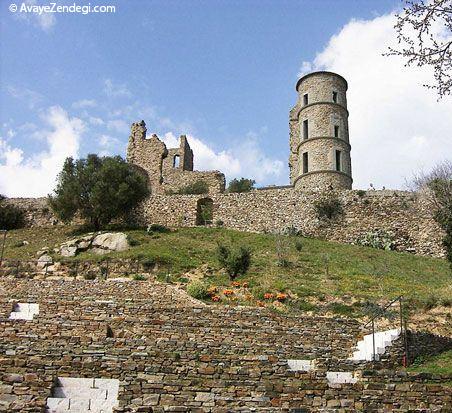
(110, 241)
(44, 261)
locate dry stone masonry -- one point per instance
(164, 352)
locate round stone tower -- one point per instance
(319, 143)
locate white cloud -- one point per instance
(36, 175)
(109, 145)
(84, 103)
(396, 125)
(112, 89)
(243, 160)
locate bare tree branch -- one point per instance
(424, 34)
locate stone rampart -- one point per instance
(405, 215)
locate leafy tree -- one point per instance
(437, 186)
(236, 260)
(11, 216)
(241, 185)
(423, 32)
(99, 189)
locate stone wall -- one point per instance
(405, 215)
(173, 353)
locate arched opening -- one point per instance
(176, 161)
(204, 211)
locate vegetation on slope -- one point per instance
(309, 270)
(438, 364)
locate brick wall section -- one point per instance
(171, 353)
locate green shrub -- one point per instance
(11, 216)
(133, 242)
(298, 245)
(149, 263)
(241, 185)
(236, 260)
(90, 275)
(219, 223)
(99, 189)
(197, 290)
(139, 277)
(196, 188)
(360, 193)
(157, 228)
(328, 207)
(379, 239)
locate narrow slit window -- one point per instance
(305, 99)
(338, 160)
(335, 97)
(305, 129)
(305, 162)
(176, 161)
(336, 131)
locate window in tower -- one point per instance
(176, 161)
(305, 99)
(338, 160)
(336, 131)
(305, 162)
(335, 97)
(305, 129)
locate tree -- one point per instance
(241, 185)
(11, 216)
(437, 186)
(424, 33)
(99, 189)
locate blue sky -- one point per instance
(221, 71)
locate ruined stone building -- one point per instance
(320, 166)
(319, 144)
(167, 170)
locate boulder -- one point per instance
(68, 251)
(110, 241)
(44, 261)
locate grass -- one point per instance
(439, 364)
(318, 270)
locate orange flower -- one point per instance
(215, 298)
(281, 297)
(212, 290)
(228, 292)
(261, 304)
(249, 297)
(235, 283)
(268, 296)
(245, 285)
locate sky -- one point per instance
(223, 72)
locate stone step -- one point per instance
(365, 347)
(79, 405)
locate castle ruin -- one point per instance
(167, 170)
(319, 165)
(319, 144)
